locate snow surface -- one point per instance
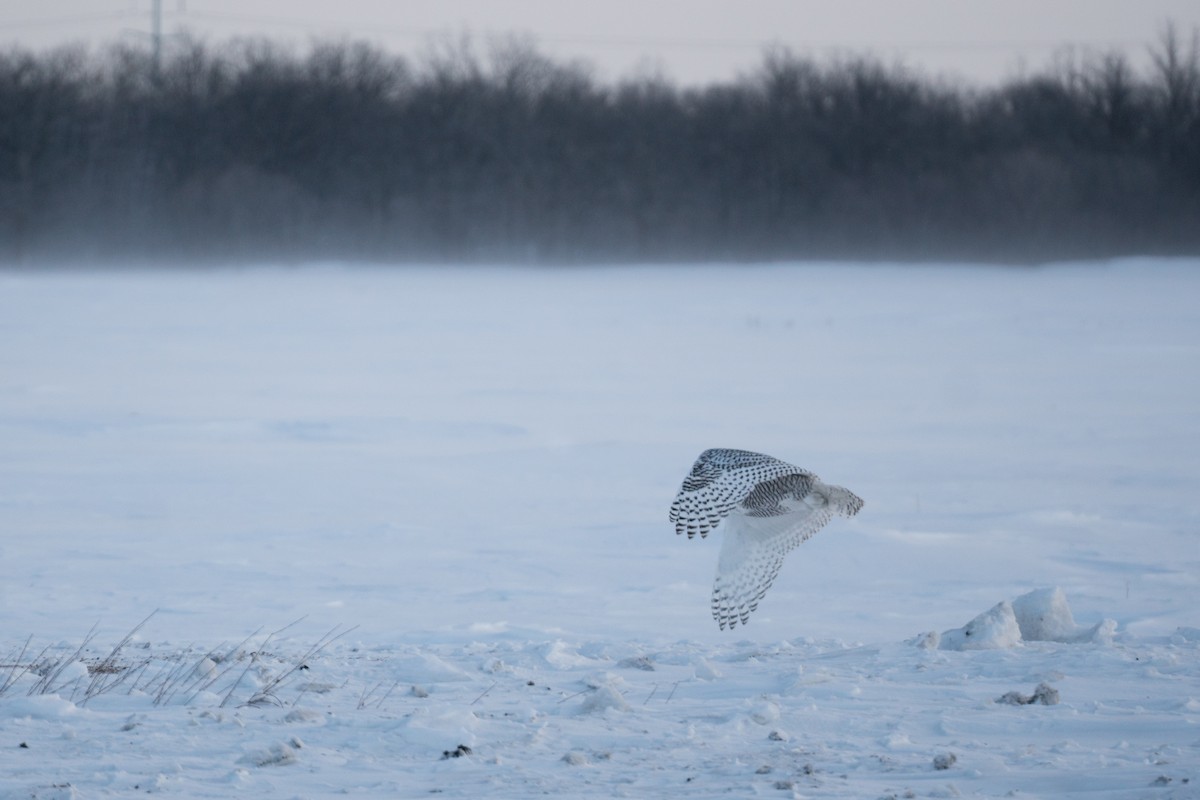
(473, 466)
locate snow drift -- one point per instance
(1042, 615)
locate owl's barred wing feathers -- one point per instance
(764, 508)
(718, 482)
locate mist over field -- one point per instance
(496, 153)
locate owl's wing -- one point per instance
(752, 552)
(720, 480)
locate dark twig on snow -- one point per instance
(45, 685)
(485, 691)
(108, 675)
(13, 674)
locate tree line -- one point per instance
(251, 151)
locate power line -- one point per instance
(700, 43)
(307, 25)
(156, 33)
(590, 41)
(73, 19)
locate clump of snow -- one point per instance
(274, 756)
(494, 666)
(944, 760)
(764, 711)
(1186, 633)
(306, 716)
(704, 670)
(561, 655)
(644, 663)
(602, 698)
(318, 687)
(1045, 694)
(930, 640)
(39, 706)
(994, 629)
(1045, 616)
(1042, 615)
(439, 728)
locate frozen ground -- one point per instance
(474, 466)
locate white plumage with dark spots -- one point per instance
(763, 508)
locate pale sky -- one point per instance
(694, 42)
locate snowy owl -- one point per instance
(763, 507)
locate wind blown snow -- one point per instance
(405, 532)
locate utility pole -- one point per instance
(156, 27)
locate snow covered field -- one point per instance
(474, 466)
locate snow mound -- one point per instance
(428, 668)
(39, 707)
(1042, 615)
(764, 711)
(274, 756)
(439, 730)
(1045, 616)
(602, 698)
(994, 629)
(561, 655)
(1185, 634)
(304, 716)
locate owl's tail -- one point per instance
(844, 502)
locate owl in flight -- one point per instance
(763, 508)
